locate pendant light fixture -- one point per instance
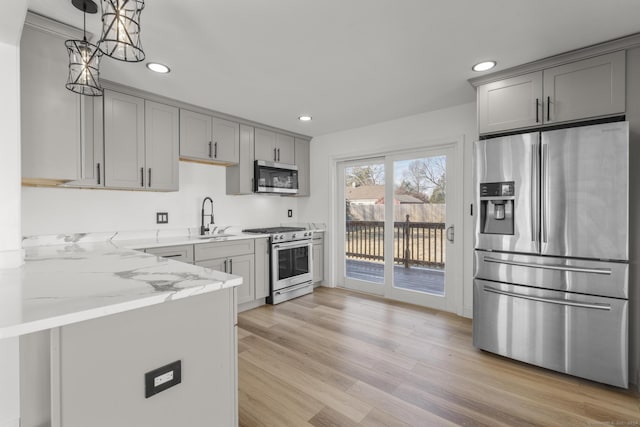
(84, 58)
(121, 30)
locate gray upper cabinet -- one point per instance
(593, 87)
(207, 138)
(510, 104)
(56, 145)
(124, 141)
(589, 88)
(162, 137)
(140, 143)
(240, 176)
(303, 163)
(274, 147)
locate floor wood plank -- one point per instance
(340, 358)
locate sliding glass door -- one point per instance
(398, 216)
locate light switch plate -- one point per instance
(162, 217)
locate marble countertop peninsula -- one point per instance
(71, 278)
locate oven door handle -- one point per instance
(292, 288)
(295, 244)
(560, 301)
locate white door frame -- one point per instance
(454, 216)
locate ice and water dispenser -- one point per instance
(496, 207)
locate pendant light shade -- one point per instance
(84, 58)
(84, 63)
(121, 30)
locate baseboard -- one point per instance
(468, 312)
(10, 423)
(249, 305)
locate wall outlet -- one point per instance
(162, 217)
(162, 378)
(290, 213)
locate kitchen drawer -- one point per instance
(581, 335)
(182, 253)
(215, 250)
(572, 275)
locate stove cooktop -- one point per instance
(273, 230)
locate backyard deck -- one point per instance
(415, 278)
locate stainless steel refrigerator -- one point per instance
(551, 273)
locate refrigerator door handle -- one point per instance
(559, 267)
(544, 192)
(534, 195)
(596, 306)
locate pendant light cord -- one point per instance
(84, 25)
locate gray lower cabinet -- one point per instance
(233, 257)
(207, 138)
(182, 253)
(141, 140)
(262, 268)
(274, 147)
(590, 88)
(57, 134)
(318, 257)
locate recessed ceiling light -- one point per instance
(484, 66)
(305, 118)
(158, 68)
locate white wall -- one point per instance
(64, 210)
(421, 130)
(10, 243)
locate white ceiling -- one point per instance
(348, 63)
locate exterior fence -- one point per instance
(414, 243)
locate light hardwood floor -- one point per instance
(338, 358)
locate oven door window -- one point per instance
(293, 262)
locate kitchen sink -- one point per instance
(215, 236)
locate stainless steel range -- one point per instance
(291, 262)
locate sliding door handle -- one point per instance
(450, 233)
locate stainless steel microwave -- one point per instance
(272, 177)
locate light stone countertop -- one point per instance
(72, 278)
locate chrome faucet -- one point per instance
(202, 229)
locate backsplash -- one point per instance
(68, 211)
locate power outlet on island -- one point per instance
(290, 213)
(162, 217)
(162, 378)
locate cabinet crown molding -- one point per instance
(614, 45)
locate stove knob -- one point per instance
(293, 236)
(281, 236)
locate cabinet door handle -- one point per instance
(278, 154)
(548, 108)
(537, 110)
(231, 266)
(149, 177)
(225, 265)
(215, 150)
(210, 149)
(141, 177)
(98, 170)
(275, 159)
